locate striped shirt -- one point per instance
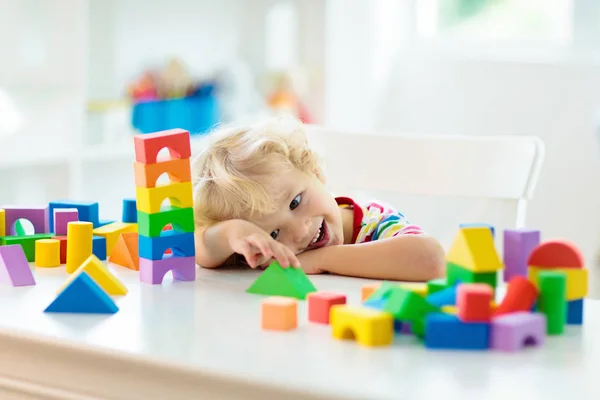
(376, 220)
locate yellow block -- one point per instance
(473, 249)
(2, 222)
(112, 231)
(370, 327)
(419, 288)
(148, 200)
(47, 253)
(79, 243)
(577, 280)
(100, 274)
(450, 310)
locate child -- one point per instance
(260, 193)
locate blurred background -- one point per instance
(79, 77)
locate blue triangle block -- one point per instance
(83, 295)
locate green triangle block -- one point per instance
(405, 305)
(278, 281)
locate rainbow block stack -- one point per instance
(154, 241)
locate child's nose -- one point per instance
(302, 231)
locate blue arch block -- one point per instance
(153, 248)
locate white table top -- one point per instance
(211, 325)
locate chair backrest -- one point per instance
(501, 168)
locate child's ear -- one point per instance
(320, 175)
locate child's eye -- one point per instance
(296, 202)
(275, 233)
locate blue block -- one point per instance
(444, 297)
(474, 224)
(87, 211)
(83, 295)
(377, 304)
(104, 222)
(99, 247)
(129, 214)
(445, 331)
(575, 312)
(153, 248)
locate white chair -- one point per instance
(424, 169)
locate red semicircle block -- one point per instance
(556, 254)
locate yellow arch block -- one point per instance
(577, 280)
(100, 274)
(370, 327)
(149, 199)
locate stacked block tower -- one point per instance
(172, 249)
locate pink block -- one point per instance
(512, 332)
(320, 303)
(62, 217)
(14, 268)
(153, 271)
(38, 216)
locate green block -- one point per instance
(151, 225)
(382, 292)
(19, 229)
(552, 300)
(278, 281)
(27, 243)
(458, 273)
(435, 285)
(408, 306)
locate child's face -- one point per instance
(308, 216)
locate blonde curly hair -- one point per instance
(231, 174)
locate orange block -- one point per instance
(125, 253)
(473, 301)
(368, 290)
(279, 313)
(520, 296)
(146, 175)
(556, 254)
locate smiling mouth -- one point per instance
(322, 238)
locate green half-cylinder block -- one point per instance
(151, 225)
(435, 285)
(278, 281)
(552, 300)
(407, 306)
(27, 243)
(457, 273)
(19, 228)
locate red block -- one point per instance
(63, 248)
(319, 304)
(474, 302)
(556, 254)
(147, 146)
(520, 295)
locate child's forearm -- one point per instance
(212, 245)
(405, 258)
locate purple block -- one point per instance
(406, 328)
(518, 245)
(14, 268)
(62, 217)
(512, 332)
(153, 271)
(38, 216)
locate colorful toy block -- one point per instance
(367, 290)
(369, 327)
(473, 301)
(2, 222)
(101, 275)
(62, 216)
(129, 213)
(82, 295)
(435, 285)
(278, 281)
(86, 211)
(575, 312)
(407, 306)
(147, 146)
(419, 288)
(79, 244)
(152, 225)
(320, 303)
(446, 331)
(521, 294)
(63, 248)
(473, 249)
(518, 245)
(479, 225)
(577, 280)
(153, 271)
(279, 313)
(444, 297)
(99, 247)
(38, 216)
(556, 254)
(14, 268)
(513, 332)
(149, 200)
(153, 248)
(27, 243)
(457, 274)
(453, 310)
(146, 175)
(553, 287)
(47, 253)
(125, 252)
(112, 232)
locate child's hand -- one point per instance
(258, 247)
